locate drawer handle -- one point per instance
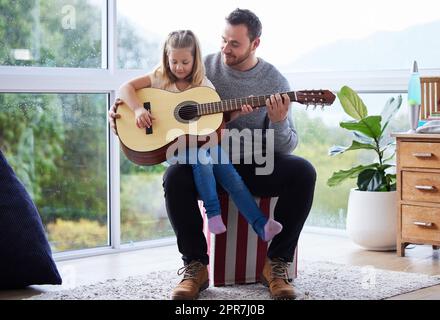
(430, 188)
(422, 154)
(423, 224)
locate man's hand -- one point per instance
(245, 109)
(112, 115)
(277, 107)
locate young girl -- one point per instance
(182, 68)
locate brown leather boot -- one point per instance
(276, 278)
(195, 279)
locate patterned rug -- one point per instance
(316, 281)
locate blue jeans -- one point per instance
(212, 165)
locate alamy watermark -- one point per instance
(237, 147)
(368, 277)
(69, 276)
(68, 20)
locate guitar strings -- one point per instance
(193, 110)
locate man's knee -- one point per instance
(178, 176)
(309, 171)
(301, 171)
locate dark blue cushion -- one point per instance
(25, 255)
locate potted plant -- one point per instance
(371, 211)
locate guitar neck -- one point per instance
(236, 104)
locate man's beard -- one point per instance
(237, 60)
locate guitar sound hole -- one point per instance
(186, 113)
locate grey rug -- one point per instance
(316, 281)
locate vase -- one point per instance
(372, 219)
(414, 117)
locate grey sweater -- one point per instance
(263, 79)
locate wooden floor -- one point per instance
(313, 246)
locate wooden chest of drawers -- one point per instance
(418, 190)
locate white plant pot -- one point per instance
(372, 219)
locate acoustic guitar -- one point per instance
(196, 111)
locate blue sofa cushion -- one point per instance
(25, 254)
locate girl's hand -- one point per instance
(245, 109)
(143, 118)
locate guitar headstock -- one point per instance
(315, 97)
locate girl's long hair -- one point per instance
(182, 39)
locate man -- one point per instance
(237, 72)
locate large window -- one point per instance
(143, 212)
(52, 33)
(314, 35)
(62, 61)
(56, 143)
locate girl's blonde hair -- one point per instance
(182, 39)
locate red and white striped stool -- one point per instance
(237, 256)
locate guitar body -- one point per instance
(194, 113)
(149, 148)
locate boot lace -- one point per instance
(191, 270)
(279, 269)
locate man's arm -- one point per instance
(285, 136)
(281, 121)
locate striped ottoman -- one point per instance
(237, 256)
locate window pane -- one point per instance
(140, 39)
(56, 144)
(136, 49)
(316, 35)
(51, 33)
(143, 212)
(318, 131)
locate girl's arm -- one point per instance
(127, 92)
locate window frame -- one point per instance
(15, 79)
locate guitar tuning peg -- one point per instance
(307, 106)
(322, 107)
(314, 107)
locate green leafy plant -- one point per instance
(369, 133)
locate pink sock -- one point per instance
(216, 225)
(271, 229)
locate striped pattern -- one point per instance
(430, 96)
(237, 256)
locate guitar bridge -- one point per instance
(148, 108)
